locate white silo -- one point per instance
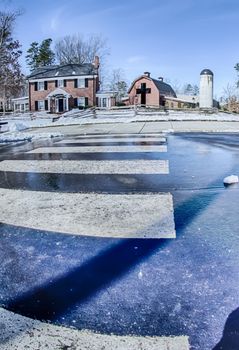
(206, 89)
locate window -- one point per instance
(64, 104)
(81, 101)
(81, 83)
(104, 102)
(41, 105)
(61, 83)
(40, 86)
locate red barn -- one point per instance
(148, 91)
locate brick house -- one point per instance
(57, 89)
(150, 92)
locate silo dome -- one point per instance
(206, 89)
(206, 72)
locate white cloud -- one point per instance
(56, 19)
(52, 23)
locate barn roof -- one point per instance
(164, 88)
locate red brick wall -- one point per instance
(89, 92)
(152, 99)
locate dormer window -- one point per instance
(57, 73)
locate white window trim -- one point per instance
(78, 83)
(39, 83)
(83, 101)
(38, 104)
(60, 83)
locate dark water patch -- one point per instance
(109, 136)
(102, 144)
(225, 140)
(19, 149)
(100, 183)
(89, 156)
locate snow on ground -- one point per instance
(18, 123)
(17, 136)
(130, 117)
(19, 333)
(13, 130)
(232, 179)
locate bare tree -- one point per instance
(230, 98)
(7, 21)
(10, 72)
(77, 49)
(117, 83)
(175, 84)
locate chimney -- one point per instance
(147, 74)
(160, 78)
(96, 62)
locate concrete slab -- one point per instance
(101, 149)
(76, 129)
(20, 333)
(153, 127)
(67, 129)
(87, 167)
(96, 128)
(143, 127)
(91, 214)
(205, 126)
(122, 128)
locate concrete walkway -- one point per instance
(144, 127)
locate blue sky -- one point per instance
(170, 38)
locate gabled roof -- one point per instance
(58, 92)
(65, 70)
(16, 99)
(164, 88)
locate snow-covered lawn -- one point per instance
(13, 131)
(18, 136)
